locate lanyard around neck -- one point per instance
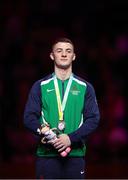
(61, 106)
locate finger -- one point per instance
(61, 149)
(58, 145)
(54, 141)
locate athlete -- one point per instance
(67, 103)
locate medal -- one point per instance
(61, 125)
(61, 105)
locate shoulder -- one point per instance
(89, 87)
(82, 81)
(36, 85)
(46, 79)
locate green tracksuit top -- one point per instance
(73, 112)
(81, 113)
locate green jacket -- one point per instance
(80, 106)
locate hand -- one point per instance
(62, 142)
(45, 129)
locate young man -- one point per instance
(66, 102)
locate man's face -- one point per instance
(63, 54)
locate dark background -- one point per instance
(99, 30)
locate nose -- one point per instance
(64, 54)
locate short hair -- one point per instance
(62, 39)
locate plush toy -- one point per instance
(51, 134)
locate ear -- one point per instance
(51, 56)
(74, 57)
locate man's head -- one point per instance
(63, 53)
(63, 40)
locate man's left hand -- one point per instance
(62, 142)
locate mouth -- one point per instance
(64, 59)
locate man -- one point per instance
(66, 102)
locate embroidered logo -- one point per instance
(50, 90)
(81, 172)
(75, 90)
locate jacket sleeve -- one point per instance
(91, 117)
(32, 110)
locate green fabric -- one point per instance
(73, 113)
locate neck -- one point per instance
(63, 74)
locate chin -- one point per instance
(64, 66)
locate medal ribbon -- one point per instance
(61, 106)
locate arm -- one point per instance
(32, 110)
(91, 117)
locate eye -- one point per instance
(69, 51)
(58, 50)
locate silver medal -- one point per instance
(61, 125)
